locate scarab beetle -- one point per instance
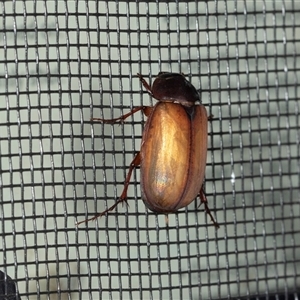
(173, 152)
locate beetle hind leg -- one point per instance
(204, 201)
(123, 198)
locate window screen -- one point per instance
(65, 62)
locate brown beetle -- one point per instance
(172, 158)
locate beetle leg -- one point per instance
(145, 109)
(123, 198)
(146, 85)
(136, 162)
(204, 201)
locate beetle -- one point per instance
(173, 151)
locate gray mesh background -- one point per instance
(63, 62)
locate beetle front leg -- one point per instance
(204, 201)
(146, 110)
(146, 85)
(123, 198)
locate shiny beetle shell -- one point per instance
(173, 156)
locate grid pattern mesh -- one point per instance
(63, 62)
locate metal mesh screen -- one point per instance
(64, 62)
